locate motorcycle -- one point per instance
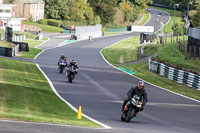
(134, 106)
(61, 66)
(71, 73)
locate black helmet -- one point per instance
(62, 56)
(73, 62)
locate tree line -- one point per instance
(94, 11)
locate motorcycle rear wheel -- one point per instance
(60, 68)
(122, 118)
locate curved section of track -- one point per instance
(100, 90)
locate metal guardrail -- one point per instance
(190, 79)
(117, 30)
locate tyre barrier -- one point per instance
(10, 52)
(189, 79)
(22, 46)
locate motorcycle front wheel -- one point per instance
(69, 78)
(130, 114)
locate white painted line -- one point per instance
(71, 106)
(40, 48)
(142, 79)
(42, 43)
(167, 21)
(39, 54)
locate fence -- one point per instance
(183, 77)
(117, 30)
(193, 47)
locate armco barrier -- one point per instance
(180, 76)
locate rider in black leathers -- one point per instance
(137, 90)
(73, 63)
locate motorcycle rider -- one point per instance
(62, 57)
(73, 63)
(137, 90)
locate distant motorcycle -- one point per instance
(71, 73)
(134, 105)
(61, 66)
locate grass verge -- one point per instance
(122, 52)
(165, 55)
(6, 44)
(113, 53)
(26, 95)
(45, 28)
(32, 51)
(143, 73)
(145, 19)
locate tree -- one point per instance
(105, 9)
(196, 18)
(80, 10)
(127, 8)
(56, 9)
(178, 29)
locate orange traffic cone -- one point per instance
(79, 116)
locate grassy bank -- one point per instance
(45, 28)
(32, 51)
(143, 73)
(122, 52)
(26, 95)
(6, 44)
(165, 53)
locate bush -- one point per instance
(70, 23)
(43, 21)
(53, 22)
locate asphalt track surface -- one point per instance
(100, 89)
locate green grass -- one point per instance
(111, 33)
(28, 35)
(165, 54)
(45, 28)
(6, 44)
(127, 50)
(26, 95)
(178, 18)
(146, 18)
(32, 51)
(143, 73)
